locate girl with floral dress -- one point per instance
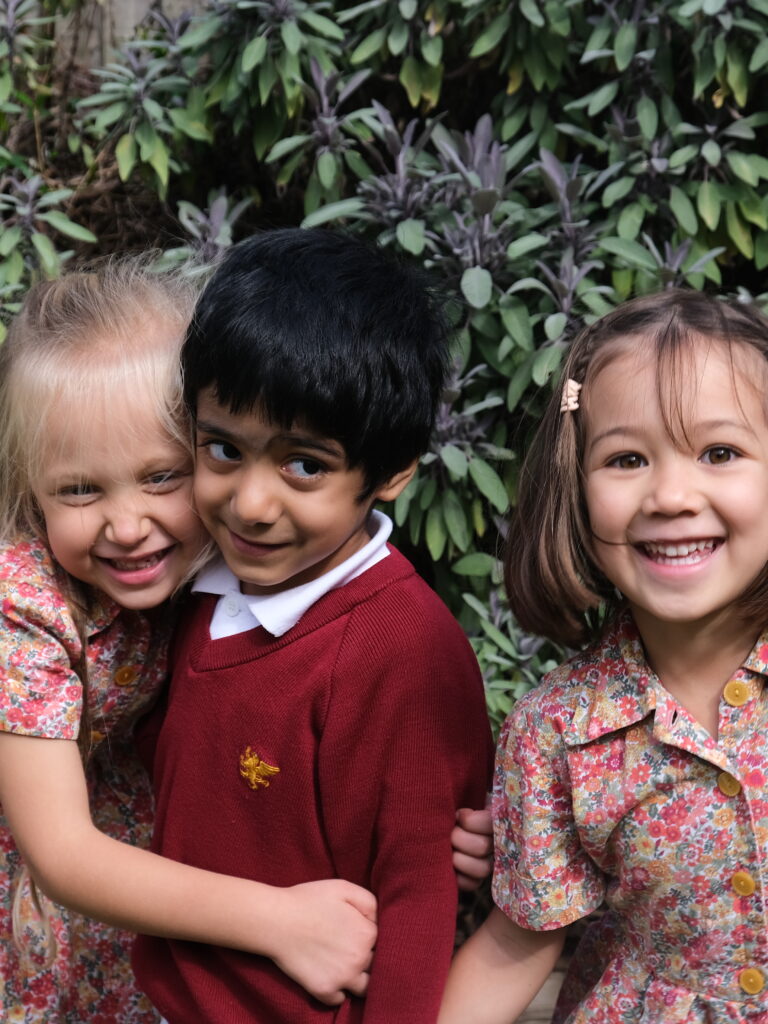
(635, 776)
(98, 533)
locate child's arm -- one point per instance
(498, 971)
(320, 933)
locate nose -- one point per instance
(674, 488)
(255, 498)
(127, 524)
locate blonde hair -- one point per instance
(115, 328)
(554, 587)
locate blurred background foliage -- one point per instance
(544, 159)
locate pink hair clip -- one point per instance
(570, 399)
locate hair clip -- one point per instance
(570, 399)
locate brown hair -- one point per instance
(555, 588)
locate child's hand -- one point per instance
(472, 842)
(326, 935)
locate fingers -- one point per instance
(470, 844)
(360, 985)
(362, 900)
(477, 821)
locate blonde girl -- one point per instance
(636, 774)
(98, 534)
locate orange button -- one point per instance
(743, 883)
(125, 676)
(752, 980)
(727, 784)
(736, 693)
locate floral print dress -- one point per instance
(89, 980)
(608, 791)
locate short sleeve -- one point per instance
(40, 693)
(543, 878)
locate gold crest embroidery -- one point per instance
(255, 771)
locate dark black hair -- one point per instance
(317, 328)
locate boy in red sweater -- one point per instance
(326, 715)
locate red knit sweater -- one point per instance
(372, 708)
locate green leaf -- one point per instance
(125, 154)
(743, 167)
(410, 235)
(397, 40)
(530, 11)
(631, 252)
(431, 49)
(285, 146)
(49, 258)
(618, 189)
(738, 231)
(761, 250)
(291, 36)
(435, 533)
(408, 9)
(681, 157)
(647, 117)
(410, 79)
(554, 325)
(322, 25)
(493, 34)
(546, 361)
(630, 221)
(624, 45)
(191, 125)
(9, 239)
(682, 207)
(368, 47)
(455, 520)
(477, 287)
(62, 223)
(759, 56)
(517, 323)
(455, 459)
(334, 211)
(602, 97)
(489, 483)
(253, 54)
(711, 152)
(526, 244)
(476, 564)
(327, 169)
(708, 203)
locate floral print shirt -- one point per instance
(607, 790)
(89, 980)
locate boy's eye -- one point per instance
(304, 468)
(628, 460)
(221, 451)
(719, 455)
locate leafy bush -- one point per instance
(544, 158)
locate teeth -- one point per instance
(680, 554)
(129, 564)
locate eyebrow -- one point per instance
(719, 424)
(329, 447)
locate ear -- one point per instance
(396, 484)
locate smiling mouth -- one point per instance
(684, 553)
(134, 564)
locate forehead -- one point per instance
(255, 428)
(124, 431)
(679, 385)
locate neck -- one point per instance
(695, 660)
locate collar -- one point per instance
(279, 612)
(621, 689)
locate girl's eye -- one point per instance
(168, 480)
(628, 460)
(304, 469)
(221, 451)
(82, 490)
(719, 455)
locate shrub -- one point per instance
(544, 158)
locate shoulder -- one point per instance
(563, 695)
(29, 584)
